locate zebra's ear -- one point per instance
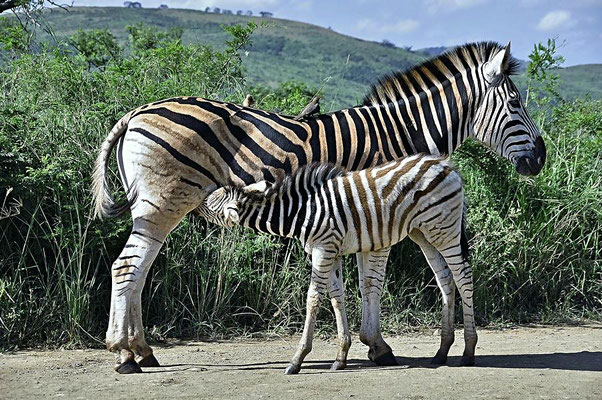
(231, 216)
(257, 188)
(499, 64)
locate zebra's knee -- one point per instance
(115, 343)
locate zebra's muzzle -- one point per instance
(532, 165)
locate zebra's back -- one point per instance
(378, 207)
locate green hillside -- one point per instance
(289, 50)
(580, 80)
(285, 50)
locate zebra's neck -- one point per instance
(290, 206)
(363, 136)
(277, 214)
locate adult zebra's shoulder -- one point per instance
(171, 153)
(334, 213)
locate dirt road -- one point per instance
(543, 363)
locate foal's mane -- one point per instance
(311, 177)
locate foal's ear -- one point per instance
(257, 188)
(231, 216)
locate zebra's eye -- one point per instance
(514, 103)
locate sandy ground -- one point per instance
(543, 363)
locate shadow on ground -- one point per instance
(582, 361)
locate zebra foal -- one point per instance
(334, 213)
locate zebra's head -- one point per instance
(223, 205)
(502, 122)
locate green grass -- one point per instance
(535, 242)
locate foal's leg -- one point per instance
(322, 263)
(444, 278)
(372, 267)
(336, 291)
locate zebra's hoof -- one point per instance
(338, 365)
(128, 367)
(439, 359)
(292, 369)
(149, 361)
(386, 360)
(467, 361)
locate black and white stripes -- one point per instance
(334, 213)
(171, 153)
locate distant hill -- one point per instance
(580, 80)
(432, 51)
(290, 50)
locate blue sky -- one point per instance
(426, 23)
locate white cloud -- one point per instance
(434, 6)
(555, 20)
(402, 26)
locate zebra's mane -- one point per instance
(388, 88)
(309, 177)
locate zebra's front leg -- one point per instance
(125, 334)
(336, 291)
(322, 262)
(371, 268)
(445, 281)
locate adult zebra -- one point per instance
(171, 153)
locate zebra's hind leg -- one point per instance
(136, 330)
(462, 274)
(371, 268)
(445, 281)
(453, 246)
(322, 263)
(336, 291)
(125, 334)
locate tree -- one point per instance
(25, 5)
(9, 4)
(97, 46)
(542, 83)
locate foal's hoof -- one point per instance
(467, 361)
(439, 359)
(387, 359)
(292, 369)
(338, 365)
(149, 361)
(128, 367)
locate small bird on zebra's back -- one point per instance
(334, 213)
(312, 108)
(249, 101)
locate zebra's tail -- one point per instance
(104, 204)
